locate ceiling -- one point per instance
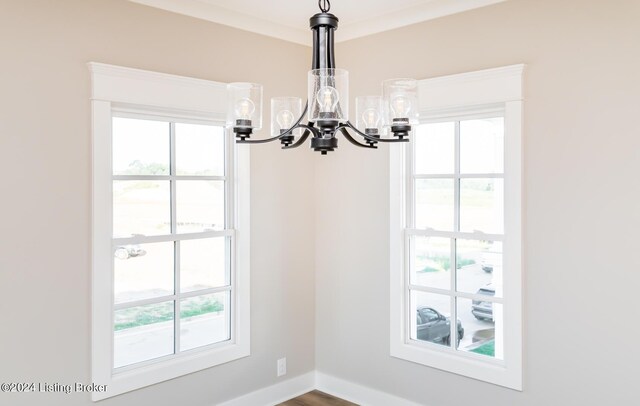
(289, 19)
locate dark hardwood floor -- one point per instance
(317, 398)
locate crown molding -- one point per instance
(231, 18)
(394, 19)
(407, 16)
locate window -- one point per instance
(455, 259)
(171, 242)
(170, 226)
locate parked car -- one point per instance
(129, 251)
(434, 327)
(487, 266)
(483, 310)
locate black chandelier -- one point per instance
(327, 104)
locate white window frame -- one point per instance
(117, 91)
(450, 97)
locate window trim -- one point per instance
(441, 98)
(114, 90)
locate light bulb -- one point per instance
(244, 109)
(370, 117)
(401, 107)
(328, 98)
(285, 119)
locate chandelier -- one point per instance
(327, 106)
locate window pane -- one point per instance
(431, 262)
(142, 333)
(203, 264)
(140, 147)
(141, 207)
(483, 327)
(479, 267)
(200, 206)
(429, 317)
(199, 150)
(482, 205)
(204, 320)
(143, 271)
(434, 148)
(434, 204)
(482, 145)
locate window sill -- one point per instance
(132, 379)
(491, 371)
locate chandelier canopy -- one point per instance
(327, 106)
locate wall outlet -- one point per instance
(282, 366)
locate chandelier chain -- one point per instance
(325, 5)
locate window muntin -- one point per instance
(170, 211)
(455, 233)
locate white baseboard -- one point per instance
(362, 395)
(278, 393)
(285, 390)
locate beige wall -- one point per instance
(581, 216)
(45, 139)
(581, 158)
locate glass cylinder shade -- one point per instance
(328, 95)
(244, 107)
(400, 101)
(285, 112)
(369, 114)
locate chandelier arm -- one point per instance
(301, 141)
(277, 137)
(352, 140)
(284, 134)
(310, 127)
(370, 138)
(263, 141)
